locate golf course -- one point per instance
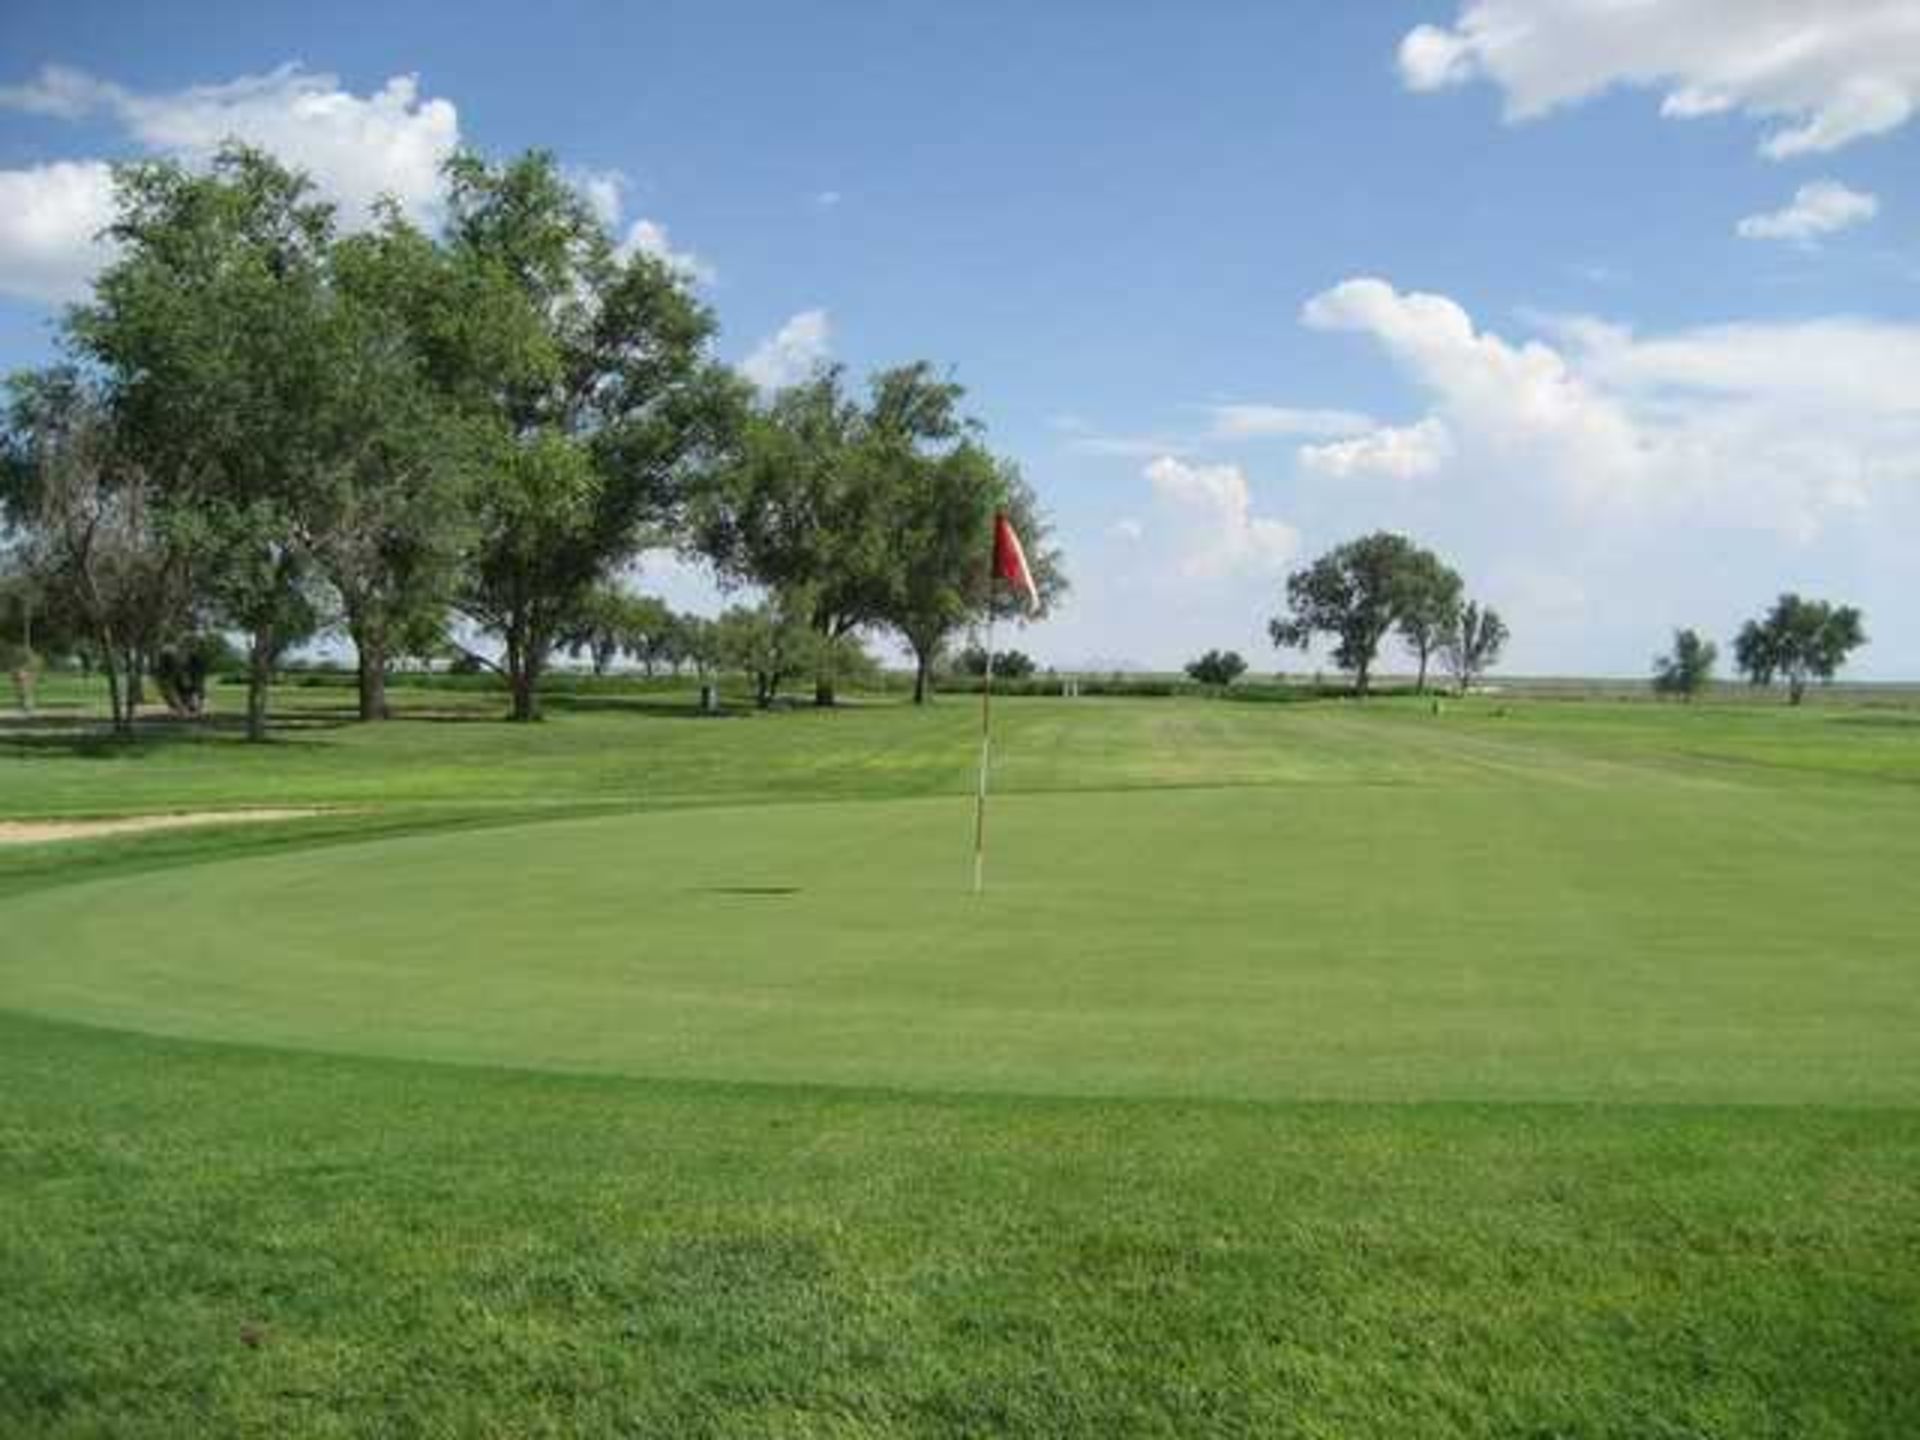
(1522, 1066)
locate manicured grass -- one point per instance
(1499, 940)
(1529, 1069)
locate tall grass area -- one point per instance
(1529, 1068)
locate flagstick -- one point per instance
(986, 741)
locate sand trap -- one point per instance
(35, 832)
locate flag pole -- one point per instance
(986, 742)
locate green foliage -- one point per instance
(393, 521)
(802, 508)
(1217, 667)
(770, 642)
(879, 512)
(614, 410)
(1798, 640)
(1687, 668)
(1472, 642)
(1008, 665)
(1358, 592)
(214, 325)
(1429, 610)
(611, 622)
(102, 564)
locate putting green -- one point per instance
(1478, 942)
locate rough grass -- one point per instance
(871, 1166)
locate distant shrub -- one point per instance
(1217, 667)
(1007, 664)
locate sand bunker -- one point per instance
(35, 832)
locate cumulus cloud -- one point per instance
(1399, 452)
(1127, 528)
(1822, 73)
(357, 148)
(1242, 422)
(1209, 510)
(791, 353)
(51, 217)
(1818, 208)
(649, 237)
(1773, 426)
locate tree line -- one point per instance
(1797, 641)
(266, 425)
(1380, 585)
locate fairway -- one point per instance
(1531, 1068)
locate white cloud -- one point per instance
(649, 237)
(1825, 72)
(356, 149)
(60, 91)
(1820, 207)
(1240, 422)
(1127, 528)
(1769, 426)
(605, 192)
(791, 353)
(1211, 520)
(50, 218)
(1400, 452)
(827, 199)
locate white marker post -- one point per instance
(986, 751)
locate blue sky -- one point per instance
(1231, 281)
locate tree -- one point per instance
(941, 537)
(610, 622)
(211, 327)
(1356, 592)
(1687, 668)
(1429, 608)
(770, 642)
(1472, 643)
(1798, 640)
(1217, 667)
(1007, 664)
(699, 644)
(389, 523)
(612, 409)
(93, 542)
(805, 507)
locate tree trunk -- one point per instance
(1796, 691)
(259, 677)
(1360, 679)
(136, 680)
(922, 669)
(526, 658)
(1420, 685)
(122, 721)
(526, 703)
(524, 676)
(823, 695)
(373, 678)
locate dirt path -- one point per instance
(36, 832)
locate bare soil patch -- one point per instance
(36, 832)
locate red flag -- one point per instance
(1010, 560)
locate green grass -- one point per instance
(1530, 1069)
